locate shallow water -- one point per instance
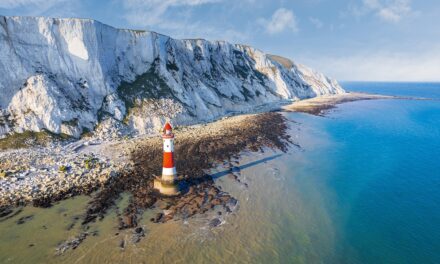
(363, 189)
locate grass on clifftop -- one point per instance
(30, 139)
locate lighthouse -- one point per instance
(167, 183)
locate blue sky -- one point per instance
(389, 40)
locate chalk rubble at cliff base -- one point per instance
(41, 175)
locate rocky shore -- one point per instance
(107, 168)
(41, 176)
(198, 149)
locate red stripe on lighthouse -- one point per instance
(168, 160)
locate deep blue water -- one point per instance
(428, 90)
(381, 172)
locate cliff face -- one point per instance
(69, 75)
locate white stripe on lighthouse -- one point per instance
(168, 145)
(169, 171)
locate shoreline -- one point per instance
(319, 105)
(106, 170)
(129, 165)
(42, 175)
(198, 149)
(35, 175)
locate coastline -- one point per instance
(40, 176)
(108, 170)
(319, 105)
(128, 165)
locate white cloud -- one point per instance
(152, 12)
(282, 19)
(198, 29)
(11, 4)
(60, 8)
(382, 66)
(316, 22)
(176, 18)
(388, 10)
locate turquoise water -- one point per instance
(379, 174)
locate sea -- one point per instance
(363, 187)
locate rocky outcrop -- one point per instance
(69, 75)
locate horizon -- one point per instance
(363, 40)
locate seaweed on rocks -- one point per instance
(24, 219)
(74, 242)
(9, 212)
(5, 211)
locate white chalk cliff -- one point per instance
(73, 75)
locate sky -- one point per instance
(361, 40)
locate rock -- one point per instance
(5, 210)
(71, 244)
(69, 227)
(215, 222)
(138, 233)
(122, 244)
(232, 201)
(24, 219)
(216, 201)
(167, 212)
(129, 221)
(158, 218)
(199, 200)
(164, 205)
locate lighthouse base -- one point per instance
(169, 188)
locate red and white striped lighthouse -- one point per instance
(167, 183)
(169, 173)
